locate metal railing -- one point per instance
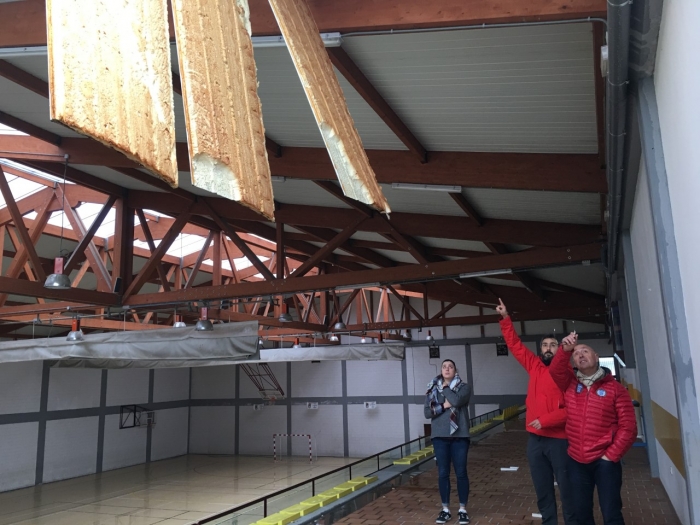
(484, 417)
(272, 503)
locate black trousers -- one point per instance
(607, 477)
(548, 461)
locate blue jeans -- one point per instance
(548, 461)
(607, 477)
(452, 450)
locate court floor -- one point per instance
(170, 492)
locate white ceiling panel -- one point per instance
(295, 191)
(590, 278)
(521, 89)
(415, 201)
(456, 244)
(546, 206)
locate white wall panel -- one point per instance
(248, 389)
(325, 426)
(674, 484)
(371, 431)
(171, 384)
(416, 420)
(20, 387)
(212, 430)
(322, 379)
(74, 388)
(257, 426)
(124, 447)
(374, 378)
(169, 436)
(71, 448)
(497, 375)
(421, 370)
(650, 303)
(214, 382)
(128, 386)
(18, 455)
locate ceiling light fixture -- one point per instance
(430, 337)
(204, 324)
(179, 323)
(75, 334)
(333, 338)
(58, 280)
(340, 325)
(284, 317)
(425, 187)
(296, 343)
(328, 39)
(485, 273)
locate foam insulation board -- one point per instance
(110, 77)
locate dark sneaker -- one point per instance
(443, 517)
(463, 517)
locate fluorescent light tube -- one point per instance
(425, 187)
(329, 40)
(485, 273)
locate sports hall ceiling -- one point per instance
(508, 116)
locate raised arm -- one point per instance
(559, 368)
(524, 356)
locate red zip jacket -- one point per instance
(544, 399)
(600, 420)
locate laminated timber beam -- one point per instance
(25, 22)
(519, 171)
(542, 257)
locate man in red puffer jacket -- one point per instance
(601, 428)
(545, 418)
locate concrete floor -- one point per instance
(171, 492)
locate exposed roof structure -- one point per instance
(487, 142)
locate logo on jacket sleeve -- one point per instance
(601, 392)
(579, 387)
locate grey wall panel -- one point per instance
(74, 388)
(317, 379)
(497, 375)
(18, 455)
(171, 384)
(421, 369)
(248, 389)
(374, 378)
(122, 447)
(71, 448)
(214, 382)
(374, 430)
(128, 386)
(212, 430)
(20, 387)
(325, 426)
(416, 420)
(257, 427)
(170, 433)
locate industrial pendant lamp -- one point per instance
(430, 337)
(75, 334)
(333, 338)
(296, 343)
(204, 324)
(58, 280)
(179, 323)
(284, 314)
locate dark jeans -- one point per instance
(548, 461)
(452, 450)
(607, 476)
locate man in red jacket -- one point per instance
(545, 418)
(601, 428)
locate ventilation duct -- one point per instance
(167, 348)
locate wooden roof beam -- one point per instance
(347, 67)
(523, 171)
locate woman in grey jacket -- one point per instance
(446, 405)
